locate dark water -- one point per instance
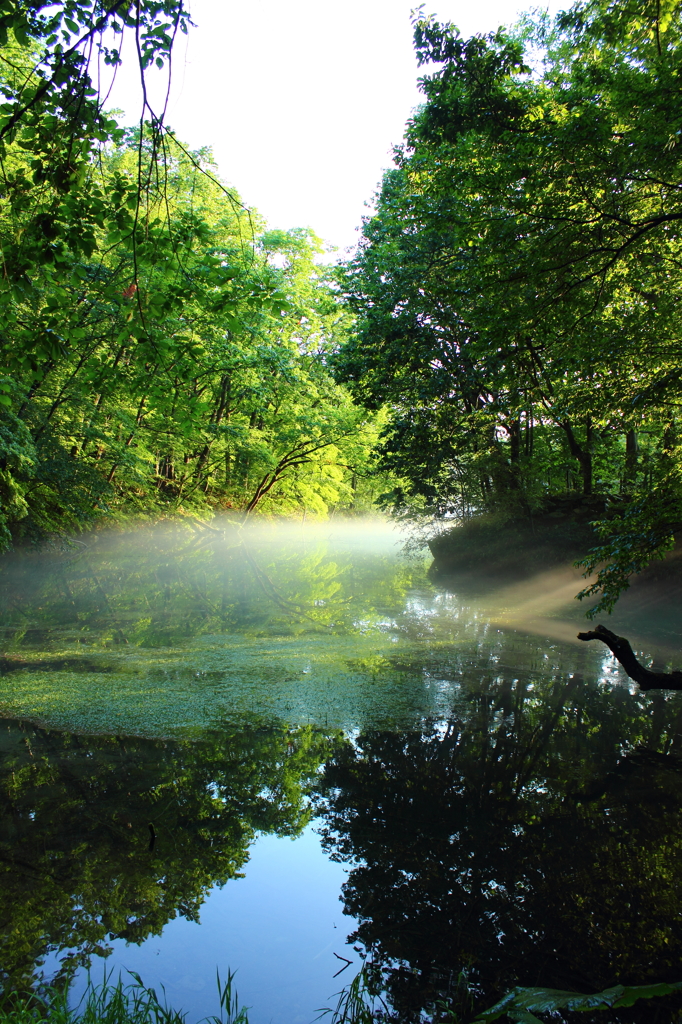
(237, 750)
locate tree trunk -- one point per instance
(515, 443)
(583, 455)
(631, 452)
(222, 409)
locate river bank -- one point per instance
(520, 546)
(532, 563)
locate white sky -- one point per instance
(302, 100)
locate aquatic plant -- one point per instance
(119, 1003)
(360, 1002)
(519, 1004)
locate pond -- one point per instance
(285, 749)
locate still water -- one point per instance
(271, 749)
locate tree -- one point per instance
(516, 289)
(162, 349)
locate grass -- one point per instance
(114, 1003)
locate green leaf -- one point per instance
(20, 34)
(548, 1000)
(631, 993)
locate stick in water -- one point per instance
(621, 649)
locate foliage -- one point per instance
(517, 290)
(357, 1003)
(175, 370)
(521, 1004)
(163, 350)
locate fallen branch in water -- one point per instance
(620, 648)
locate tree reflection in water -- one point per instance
(80, 864)
(534, 840)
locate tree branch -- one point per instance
(62, 60)
(621, 649)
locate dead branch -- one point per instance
(621, 649)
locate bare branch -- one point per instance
(621, 649)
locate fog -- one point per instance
(175, 628)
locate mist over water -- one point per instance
(170, 630)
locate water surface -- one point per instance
(188, 709)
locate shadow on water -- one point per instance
(508, 804)
(532, 840)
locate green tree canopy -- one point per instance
(517, 288)
(161, 349)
